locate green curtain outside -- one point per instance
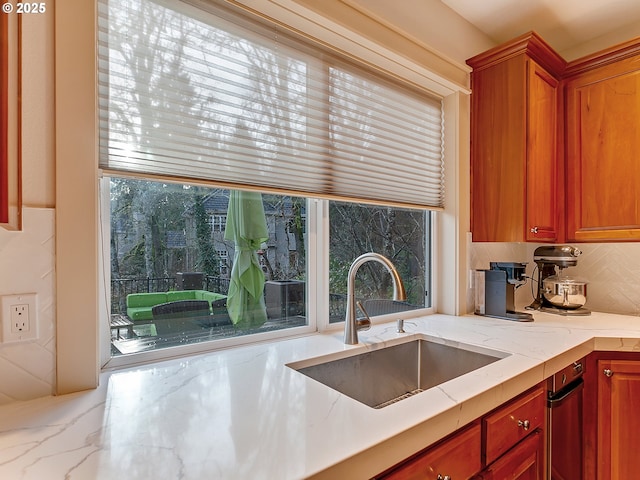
(247, 228)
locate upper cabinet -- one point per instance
(514, 142)
(554, 146)
(603, 146)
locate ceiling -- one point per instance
(564, 24)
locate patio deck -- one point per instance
(143, 338)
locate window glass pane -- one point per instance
(192, 264)
(400, 235)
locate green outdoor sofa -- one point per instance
(140, 305)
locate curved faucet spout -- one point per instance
(351, 323)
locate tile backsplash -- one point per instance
(27, 265)
(612, 271)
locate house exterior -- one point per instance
(282, 256)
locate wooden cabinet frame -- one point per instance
(576, 164)
(10, 162)
(516, 157)
(607, 443)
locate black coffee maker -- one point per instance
(495, 291)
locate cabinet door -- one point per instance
(603, 144)
(618, 422)
(514, 122)
(525, 461)
(498, 127)
(542, 165)
(458, 457)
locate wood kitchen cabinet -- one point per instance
(507, 441)
(554, 145)
(515, 167)
(514, 444)
(603, 145)
(524, 462)
(457, 456)
(612, 422)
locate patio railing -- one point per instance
(121, 287)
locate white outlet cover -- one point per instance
(6, 302)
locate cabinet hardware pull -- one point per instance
(607, 372)
(534, 230)
(446, 477)
(524, 424)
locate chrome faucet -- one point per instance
(353, 324)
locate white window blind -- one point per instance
(214, 96)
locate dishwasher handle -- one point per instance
(557, 399)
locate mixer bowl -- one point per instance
(565, 292)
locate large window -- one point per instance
(401, 235)
(174, 280)
(207, 108)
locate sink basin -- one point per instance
(381, 377)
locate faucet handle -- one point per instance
(365, 322)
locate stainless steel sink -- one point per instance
(381, 377)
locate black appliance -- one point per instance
(548, 258)
(495, 291)
(564, 423)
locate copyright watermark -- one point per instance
(24, 8)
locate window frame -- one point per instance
(80, 283)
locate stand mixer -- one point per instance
(557, 293)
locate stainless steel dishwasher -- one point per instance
(564, 440)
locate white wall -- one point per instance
(27, 257)
(430, 23)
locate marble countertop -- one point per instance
(243, 414)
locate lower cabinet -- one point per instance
(525, 461)
(506, 443)
(458, 456)
(612, 421)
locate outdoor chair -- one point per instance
(173, 318)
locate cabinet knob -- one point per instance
(534, 230)
(524, 424)
(607, 372)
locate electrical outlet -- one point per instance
(20, 319)
(18, 316)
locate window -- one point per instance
(171, 274)
(209, 106)
(399, 234)
(217, 222)
(223, 270)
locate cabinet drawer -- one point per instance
(509, 424)
(458, 457)
(524, 461)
